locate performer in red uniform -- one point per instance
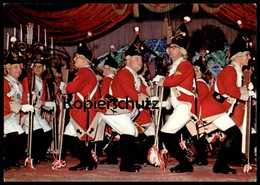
(83, 87)
(144, 125)
(180, 81)
(218, 105)
(42, 132)
(200, 144)
(15, 100)
(109, 71)
(201, 84)
(127, 86)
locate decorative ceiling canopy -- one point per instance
(70, 25)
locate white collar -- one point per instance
(12, 78)
(131, 71)
(110, 76)
(87, 66)
(176, 63)
(237, 67)
(179, 60)
(37, 78)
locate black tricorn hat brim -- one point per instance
(240, 44)
(110, 61)
(85, 51)
(136, 48)
(13, 59)
(181, 36)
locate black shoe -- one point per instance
(223, 169)
(78, 167)
(181, 168)
(138, 166)
(82, 166)
(237, 163)
(91, 167)
(134, 168)
(200, 162)
(241, 162)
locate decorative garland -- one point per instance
(210, 10)
(118, 10)
(160, 9)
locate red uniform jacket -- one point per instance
(183, 77)
(143, 118)
(26, 88)
(123, 86)
(226, 83)
(202, 89)
(7, 99)
(238, 114)
(84, 82)
(25, 84)
(105, 86)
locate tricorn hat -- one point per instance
(241, 43)
(13, 58)
(110, 61)
(136, 47)
(84, 50)
(38, 59)
(181, 35)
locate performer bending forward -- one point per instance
(84, 86)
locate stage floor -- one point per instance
(111, 173)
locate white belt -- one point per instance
(91, 95)
(185, 91)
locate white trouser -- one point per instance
(179, 118)
(121, 123)
(12, 125)
(224, 122)
(150, 131)
(70, 131)
(38, 123)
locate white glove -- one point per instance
(66, 106)
(154, 98)
(157, 78)
(165, 104)
(50, 104)
(250, 86)
(253, 94)
(244, 93)
(27, 108)
(62, 84)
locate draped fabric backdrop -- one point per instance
(70, 26)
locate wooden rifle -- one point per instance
(196, 107)
(247, 168)
(86, 140)
(58, 162)
(29, 161)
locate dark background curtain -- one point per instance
(70, 25)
